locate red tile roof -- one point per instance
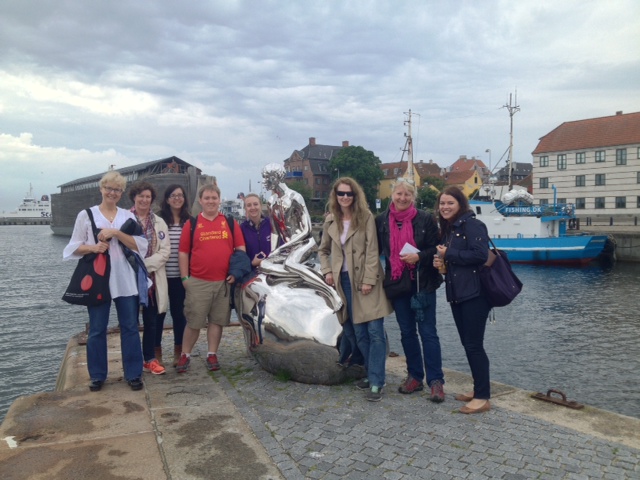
(464, 164)
(619, 129)
(420, 168)
(458, 178)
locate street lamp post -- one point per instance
(488, 150)
(337, 170)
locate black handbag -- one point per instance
(398, 287)
(89, 285)
(500, 284)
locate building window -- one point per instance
(621, 202)
(599, 202)
(621, 156)
(638, 152)
(601, 179)
(600, 155)
(544, 161)
(385, 172)
(544, 182)
(638, 177)
(561, 201)
(544, 202)
(638, 202)
(580, 181)
(306, 167)
(562, 161)
(580, 203)
(317, 181)
(581, 157)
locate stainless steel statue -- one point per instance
(288, 312)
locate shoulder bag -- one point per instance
(500, 284)
(89, 283)
(399, 287)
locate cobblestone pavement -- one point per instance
(322, 432)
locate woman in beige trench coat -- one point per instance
(350, 263)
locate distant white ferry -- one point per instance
(30, 208)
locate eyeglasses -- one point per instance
(113, 190)
(177, 196)
(345, 194)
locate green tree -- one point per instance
(304, 190)
(361, 165)
(434, 181)
(426, 198)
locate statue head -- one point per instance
(273, 175)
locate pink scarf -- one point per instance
(399, 236)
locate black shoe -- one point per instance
(135, 384)
(96, 385)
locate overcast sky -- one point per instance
(231, 86)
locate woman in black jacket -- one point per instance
(464, 249)
(403, 224)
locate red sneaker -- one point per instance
(212, 362)
(183, 364)
(437, 392)
(411, 385)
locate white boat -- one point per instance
(30, 208)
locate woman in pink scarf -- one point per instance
(403, 227)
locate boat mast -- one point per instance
(409, 174)
(513, 109)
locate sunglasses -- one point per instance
(345, 194)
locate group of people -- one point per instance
(193, 264)
(418, 247)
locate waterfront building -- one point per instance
(592, 163)
(394, 170)
(310, 165)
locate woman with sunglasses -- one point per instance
(174, 210)
(350, 263)
(123, 286)
(401, 225)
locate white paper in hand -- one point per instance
(408, 248)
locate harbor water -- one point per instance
(575, 330)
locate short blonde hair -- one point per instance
(209, 187)
(409, 185)
(252, 195)
(113, 177)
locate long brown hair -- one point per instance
(463, 201)
(359, 207)
(165, 209)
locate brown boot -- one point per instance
(158, 352)
(177, 351)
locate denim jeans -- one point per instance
(176, 307)
(471, 320)
(409, 330)
(97, 361)
(149, 322)
(372, 342)
(348, 344)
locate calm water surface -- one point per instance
(577, 330)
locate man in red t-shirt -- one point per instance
(204, 268)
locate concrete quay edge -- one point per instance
(244, 423)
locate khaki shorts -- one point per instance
(206, 302)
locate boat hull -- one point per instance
(565, 250)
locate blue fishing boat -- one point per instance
(538, 234)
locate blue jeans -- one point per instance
(372, 342)
(348, 344)
(97, 362)
(149, 322)
(471, 320)
(409, 330)
(176, 306)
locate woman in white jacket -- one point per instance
(155, 230)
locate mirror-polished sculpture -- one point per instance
(287, 311)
